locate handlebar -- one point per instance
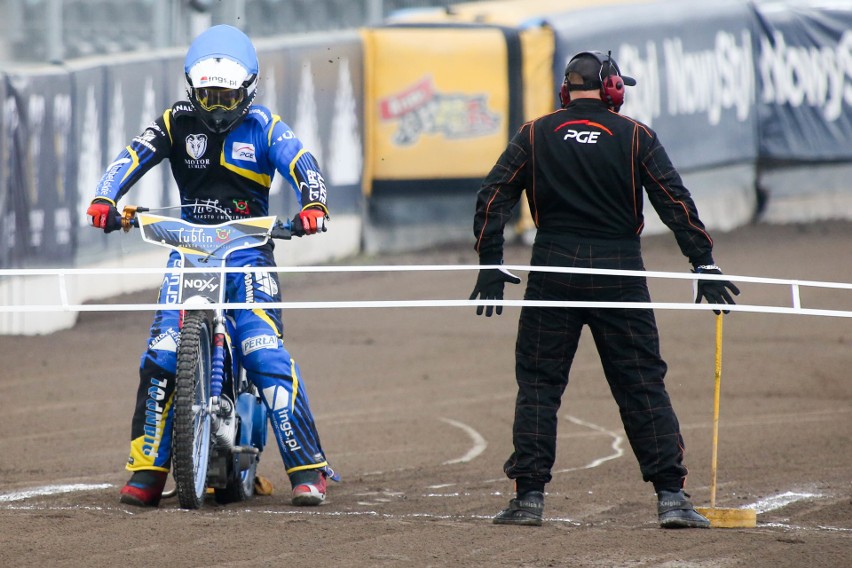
(128, 218)
(283, 230)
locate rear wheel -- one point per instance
(192, 424)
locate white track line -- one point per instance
(761, 506)
(780, 501)
(376, 514)
(617, 440)
(617, 450)
(479, 443)
(49, 490)
(429, 516)
(298, 513)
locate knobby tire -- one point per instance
(192, 423)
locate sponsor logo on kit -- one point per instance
(243, 151)
(575, 132)
(258, 342)
(196, 146)
(265, 283)
(154, 417)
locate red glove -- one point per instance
(310, 221)
(103, 215)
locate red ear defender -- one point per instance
(609, 79)
(612, 91)
(564, 93)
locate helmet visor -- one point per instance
(218, 98)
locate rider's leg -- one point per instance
(270, 367)
(152, 420)
(151, 427)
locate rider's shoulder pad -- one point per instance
(181, 109)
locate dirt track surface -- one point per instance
(415, 406)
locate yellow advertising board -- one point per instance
(437, 101)
(537, 48)
(533, 86)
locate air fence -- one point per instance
(751, 98)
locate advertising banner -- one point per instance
(16, 206)
(537, 45)
(136, 94)
(7, 214)
(438, 101)
(88, 138)
(39, 107)
(804, 68)
(316, 87)
(273, 93)
(693, 62)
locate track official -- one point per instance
(584, 168)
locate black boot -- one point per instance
(144, 489)
(675, 511)
(526, 510)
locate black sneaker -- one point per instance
(526, 510)
(675, 511)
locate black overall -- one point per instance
(584, 169)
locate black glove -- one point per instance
(714, 291)
(489, 286)
(296, 228)
(102, 214)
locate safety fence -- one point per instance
(61, 30)
(64, 304)
(750, 98)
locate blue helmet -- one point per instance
(221, 71)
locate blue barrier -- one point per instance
(740, 94)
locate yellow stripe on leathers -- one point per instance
(295, 376)
(263, 179)
(139, 458)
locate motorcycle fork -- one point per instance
(222, 407)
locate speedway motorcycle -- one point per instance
(220, 422)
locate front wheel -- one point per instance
(192, 421)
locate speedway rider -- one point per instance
(224, 151)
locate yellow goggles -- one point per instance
(212, 98)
